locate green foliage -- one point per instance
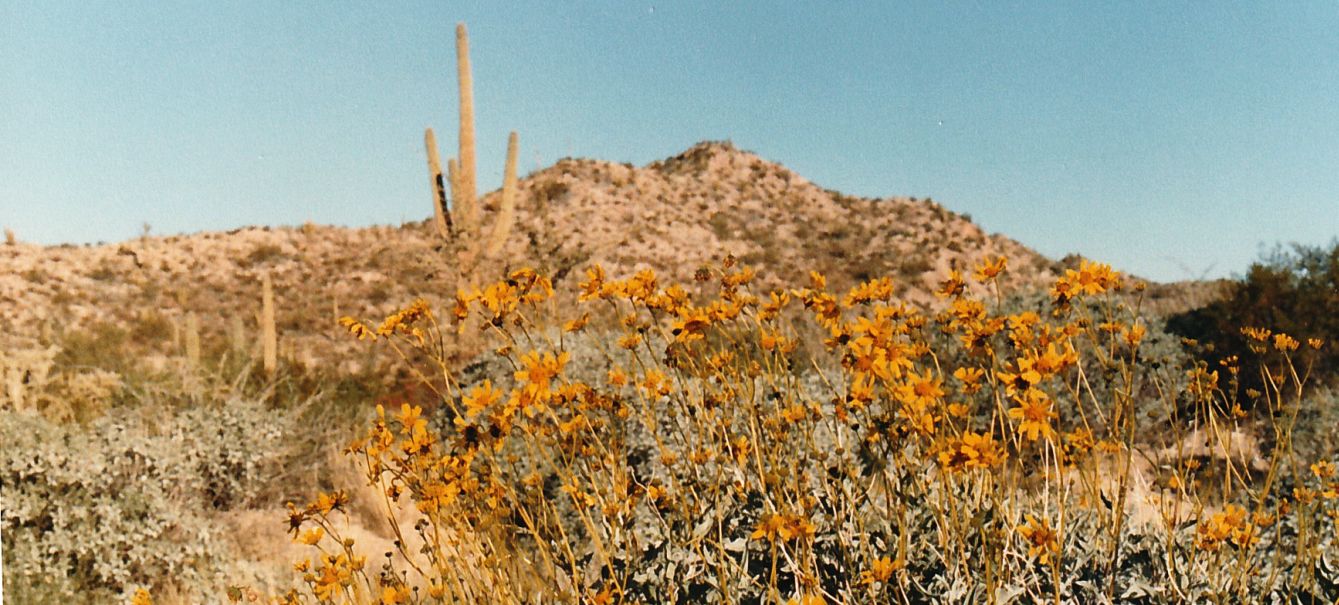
(1293, 291)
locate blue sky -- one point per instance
(1171, 140)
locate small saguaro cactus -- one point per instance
(241, 345)
(192, 339)
(269, 342)
(462, 178)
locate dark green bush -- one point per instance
(1295, 291)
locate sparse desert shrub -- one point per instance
(90, 513)
(550, 191)
(698, 458)
(265, 253)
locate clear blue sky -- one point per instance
(1171, 140)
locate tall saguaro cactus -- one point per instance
(462, 178)
(465, 81)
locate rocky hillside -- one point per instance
(673, 215)
(712, 200)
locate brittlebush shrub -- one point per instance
(651, 444)
(92, 512)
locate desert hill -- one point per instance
(713, 199)
(672, 215)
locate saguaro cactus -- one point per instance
(440, 215)
(462, 173)
(465, 80)
(241, 345)
(507, 210)
(192, 339)
(269, 336)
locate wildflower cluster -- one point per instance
(663, 443)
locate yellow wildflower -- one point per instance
(970, 378)
(1285, 343)
(971, 451)
(1042, 541)
(311, 536)
(141, 597)
(953, 287)
(989, 268)
(630, 340)
(881, 570)
(577, 324)
(481, 398)
(1034, 413)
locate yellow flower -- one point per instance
(768, 340)
(989, 268)
(141, 597)
(357, 328)
(881, 570)
(656, 384)
(1202, 382)
(1063, 291)
(970, 378)
(1285, 343)
(920, 390)
(1051, 362)
(481, 398)
(1042, 541)
(1134, 335)
(461, 310)
(411, 419)
(1259, 334)
(606, 596)
(1034, 413)
(1079, 441)
(971, 451)
(594, 284)
(577, 324)
(630, 340)
(395, 594)
(953, 287)
(329, 502)
(311, 536)
(538, 372)
(617, 377)
(1022, 378)
(1322, 469)
(808, 598)
(784, 528)
(873, 290)
(499, 299)
(1230, 525)
(794, 413)
(1094, 278)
